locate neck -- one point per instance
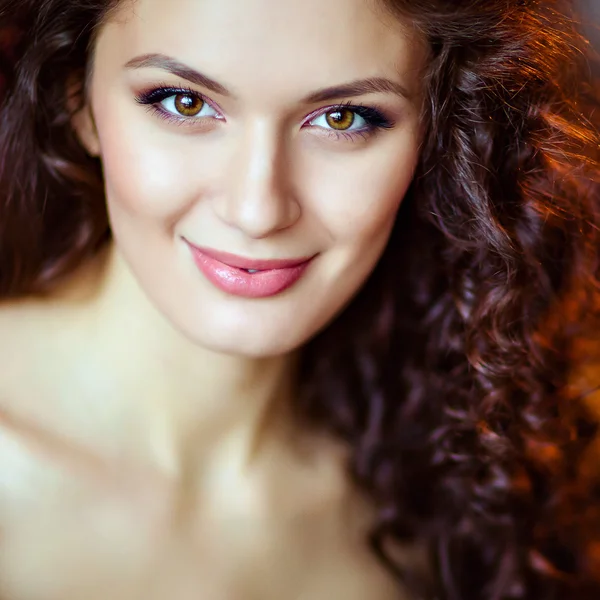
(186, 399)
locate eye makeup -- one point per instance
(157, 98)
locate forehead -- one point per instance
(286, 44)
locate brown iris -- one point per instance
(188, 105)
(340, 118)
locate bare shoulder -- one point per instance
(334, 526)
(35, 345)
(35, 341)
(360, 575)
(40, 365)
(37, 333)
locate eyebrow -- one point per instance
(358, 87)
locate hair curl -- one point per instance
(451, 375)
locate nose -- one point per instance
(257, 196)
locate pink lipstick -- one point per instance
(248, 277)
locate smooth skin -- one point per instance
(146, 449)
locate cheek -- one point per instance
(147, 171)
(359, 200)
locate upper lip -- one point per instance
(254, 264)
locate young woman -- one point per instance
(296, 297)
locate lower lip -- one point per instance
(238, 282)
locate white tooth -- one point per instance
(252, 270)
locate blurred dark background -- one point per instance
(590, 10)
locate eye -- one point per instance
(178, 104)
(351, 121)
(187, 105)
(340, 119)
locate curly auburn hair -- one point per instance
(451, 375)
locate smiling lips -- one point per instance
(247, 277)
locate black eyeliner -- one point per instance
(374, 118)
(159, 94)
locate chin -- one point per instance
(255, 349)
(246, 334)
(250, 344)
(261, 328)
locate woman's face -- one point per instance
(255, 154)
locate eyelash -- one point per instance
(375, 120)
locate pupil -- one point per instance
(340, 119)
(187, 102)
